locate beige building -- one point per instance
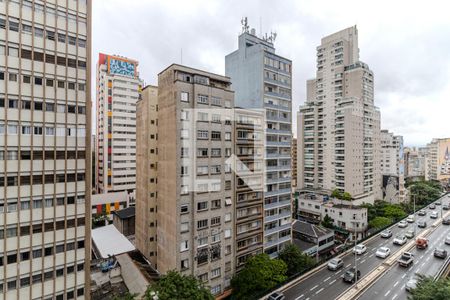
(294, 163)
(146, 172)
(437, 160)
(118, 87)
(392, 167)
(415, 161)
(339, 126)
(45, 143)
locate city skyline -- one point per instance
(402, 90)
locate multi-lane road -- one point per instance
(326, 284)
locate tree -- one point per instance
(428, 288)
(327, 221)
(425, 191)
(295, 260)
(336, 194)
(346, 196)
(126, 296)
(174, 285)
(394, 211)
(380, 222)
(261, 273)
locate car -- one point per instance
(411, 284)
(349, 275)
(335, 263)
(383, 252)
(422, 243)
(434, 215)
(440, 253)
(402, 224)
(359, 249)
(410, 219)
(438, 203)
(409, 234)
(445, 207)
(386, 233)
(422, 213)
(399, 239)
(421, 224)
(447, 240)
(406, 260)
(446, 221)
(276, 296)
(432, 206)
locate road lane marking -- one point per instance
(332, 282)
(314, 287)
(403, 276)
(326, 279)
(348, 265)
(387, 293)
(362, 261)
(371, 255)
(319, 291)
(307, 298)
(403, 286)
(395, 284)
(299, 297)
(421, 257)
(395, 296)
(338, 272)
(428, 258)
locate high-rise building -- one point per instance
(392, 167)
(339, 126)
(294, 163)
(146, 172)
(118, 87)
(437, 160)
(195, 188)
(415, 161)
(45, 149)
(261, 79)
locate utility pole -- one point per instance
(356, 266)
(414, 197)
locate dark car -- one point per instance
(421, 224)
(445, 207)
(438, 203)
(276, 296)
(446, 221)
(349, 275)
(440, 253)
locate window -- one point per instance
(215, 221)
(227, 136)
(61, 37)
(215, 169)
(202, 170)
(184, 264)
(203, 277)
(13, 103)
(184, 208)
(201, 224)
(202, 99)
(184, 96)
(12, 77)
(202, 134)
(202, 117)
(71, 85)
(184, 133)
(227, 233)
(61, 84)
(215, 204)
(26, 79)
(215, 101)
(202, 152)
(38, 32)
(202, 205)
(184, 227)
(13, 128)
(215, 118)
(203, 241)
(184, 115)
(215, 273)
(49, 82)
(215, 135)
(216, 289)
(216, 152)
(38, 80)
(13, 26)
(184, 152)
(184, 245)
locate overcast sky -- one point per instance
(405, 43)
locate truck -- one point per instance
(421, 243)
(406, 260)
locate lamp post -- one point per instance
(356, 262)
(414, 209)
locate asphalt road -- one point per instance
(391, 286)
(326, 284)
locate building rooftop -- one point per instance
(310, 229)
(303, 245)
(126, 213)
(108, 241)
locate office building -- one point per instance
(118, 87)
(45, 149)
(339, 126)
(392, 167)
(261, 79)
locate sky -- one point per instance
(405, 43)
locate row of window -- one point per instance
(41, 106)
(203, 206)
(40, 179)
(38, 80)
(50, 130)
(205, 134)
(26, 204)
(40, 154)
(205, 99)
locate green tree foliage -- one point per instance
(380, 222)
(394, 211)
(425, 191)
(336, 194)
(346, 196)
(126, 296)
(427, 288)
(174, 285)
(295, 260)
(260, 274)
(327, 221)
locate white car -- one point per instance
(400, 240)
(434, 215)
(359, 249)
(410, 219)
(386, 234)
(447, 240)
(383, 252)
(402, 224)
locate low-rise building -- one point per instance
(309, 237)
(103, 205)
(125, 220)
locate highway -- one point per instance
(326, 284)
(392, 284)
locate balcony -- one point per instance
(277, 204)
(276, 229)
(277, 241)
(277, 217)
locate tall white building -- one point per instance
(339, 126)
(45, 125)
(118, 87)
(392, 167)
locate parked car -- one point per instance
(276, 296)
(402, 224)
(399, 239)
(421, 224)
(383, 252)
(434, 215)
(410, 219)
(446, 221)
(440, 253)
(409, 234)
(406, 260)
(335, 263)
(350, 276)
(431, 206)
(445, 207)
(386, 233)
(422, 213)
(411, 284)
(447, 240)
(360, 249)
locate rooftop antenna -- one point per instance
(244, 23)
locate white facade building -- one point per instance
(392, 167)
(45, 157)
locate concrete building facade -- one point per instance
(261, 79)
(339, 126)
(415, 161)
(45, 146)
(437, 160)
(294, 163)
(118, 87)
(392, 167)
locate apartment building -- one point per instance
(437, 160)
(146, 172)
(339, 126)
(294, 163)
(118, 87)
(392, 167)
(195, 194)
(261, 79)
(414, 161)
(45, 143)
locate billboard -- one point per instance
(120, 66)
(443, 159)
